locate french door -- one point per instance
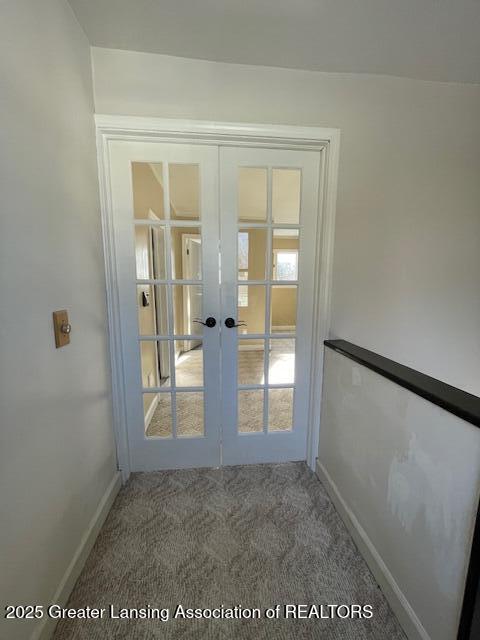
(215, 254)
(268, 212)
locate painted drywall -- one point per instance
(407, 246)
(57, 454)
(410, 474)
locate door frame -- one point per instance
(185, 238)
(326, 141)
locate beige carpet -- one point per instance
(254, 536)
(189, 405)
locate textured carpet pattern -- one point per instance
(189, 405)
(253, 536)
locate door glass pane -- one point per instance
(187, 306)
(283, 308)
(148, 357)
(189, 413)
(250, 411)
(252, 194)
(184, 183)
(280, 409)
(155, 363)
(252, 252)
(251, 361)
(157, 409)
(285, 254)
(147, 184)
(152, 310)
(188, 363)
(150, 252)
(186, 253)
(286, 186)
(281, 369)
(251, 308)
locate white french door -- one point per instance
(160, 193)
(268, 212)
(215, 253)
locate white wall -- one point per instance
(56, 445)
(407, 249)
(406, 283)
(409, 474)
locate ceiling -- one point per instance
(426, 39)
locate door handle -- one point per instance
(230, 323)
(209, 322)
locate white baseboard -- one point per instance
(150, 412)
(249, 347)
(283, 328)
(396, 599)
(47, 625)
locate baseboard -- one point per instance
(150, 412)
(47, 626)
(283, 328)
(249, 347)
(394, 595)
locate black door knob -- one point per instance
(209, 322)
(230, 323)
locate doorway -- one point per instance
(217, 307)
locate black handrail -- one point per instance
(460, 403)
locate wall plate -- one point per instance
(60, 325)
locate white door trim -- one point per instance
(130, 128)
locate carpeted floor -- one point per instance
(254, 536)
(189, 405)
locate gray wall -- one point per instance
(407, 248)
(409, 474)
(56, 445)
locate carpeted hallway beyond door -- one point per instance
(254, 536)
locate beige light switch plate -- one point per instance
(60, 321)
